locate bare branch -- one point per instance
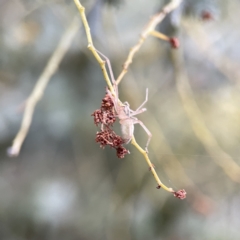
(41, 84)
(149, 29)
(91, 47)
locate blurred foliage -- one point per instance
(63, 186)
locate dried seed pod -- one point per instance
(181, 194)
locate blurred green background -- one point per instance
(62, 185)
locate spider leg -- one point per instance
(111, 72)
(127, 109)
(146, 130)
(146, 99)
(109, 65)
(133, 113)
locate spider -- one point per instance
(124, 113)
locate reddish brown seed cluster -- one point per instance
(174, 42)
(181, 194)
(106, 117)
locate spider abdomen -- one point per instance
(127, 128)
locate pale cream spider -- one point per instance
(124, 113)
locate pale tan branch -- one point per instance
(149, 29)
(91, 47)
(151, 167)
(41, 84)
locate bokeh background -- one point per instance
(62, 185)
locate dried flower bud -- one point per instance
(181, 194)
(117, 141)
(174, 42)
(102, 138)
(107, 103)
(107, 137)
(121, 151)
(108, 118)
(106, 114)
(98, 116)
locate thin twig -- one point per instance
(149, 29)
(41, 84)
(91, 47)
(160, 35)
(151, 166)
(156, 19)
(163, 153)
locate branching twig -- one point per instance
(149, 29)
(41, 84)
(156, 19)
